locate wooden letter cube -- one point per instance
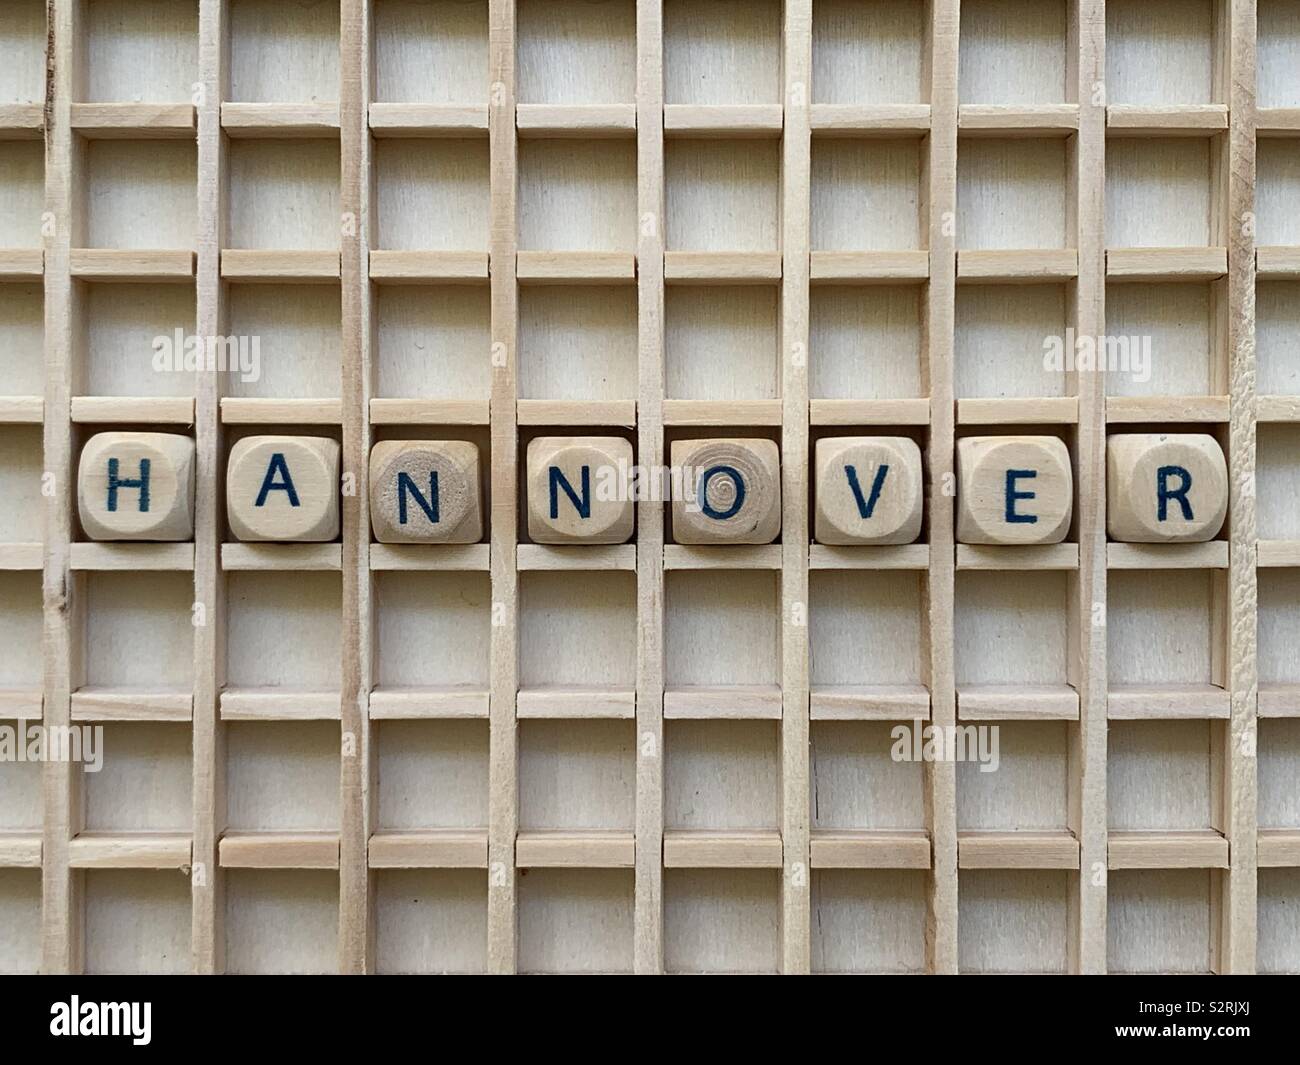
(578, 490)
(425, 492)
(869, 490)
(283, 488)
(726, 491)
(1165, 487)
(137, 486)
(1013, 490)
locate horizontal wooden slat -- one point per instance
(1167, 850)
(723, 702)
(570, 850)
(399, 704)
(870, 850)
(444, 849)
(875, 702)
(685, 849)
(576, 703)
(279, 850)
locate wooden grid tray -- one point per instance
(475, 219)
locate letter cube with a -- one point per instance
(1013, 490)
(868, 490)
(283, 488)
(137, 486)
(730, 491)
(1165, 487)
(425, 492)
(578, 490)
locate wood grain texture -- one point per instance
(659, 221)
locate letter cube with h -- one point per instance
(579, 490)
(425, 492)
(137, 486)
(283, 488)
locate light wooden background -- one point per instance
(478, 219)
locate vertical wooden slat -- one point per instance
(209, 586)
(503, 814)
(796, 149)
(941, 777)
(1237, 945)
(354, 955)
(60, 905)
(1088, 739)
(648, 919)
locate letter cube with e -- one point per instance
(578, 490)
(283, 488)
(730, 491)
(425, 492)
(137, 486)
(1013, 490)
(1165, 487)
(869, 490)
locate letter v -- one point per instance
(866, 507)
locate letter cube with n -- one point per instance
(425, 492)
(869, 490)
(1013, 490)
(578, 490)
(283, 488)
(1165, 487)
(726, 491)
(137, 486)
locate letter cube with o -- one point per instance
(1165, 487)
(578, 490)
(726, 491)
(283, 488)
(1013, 490)
(137, 486)
(868, 490)
(425, 492)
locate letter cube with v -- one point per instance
(868, 490)
(283, 488)
(726, 491)
(1165, 487)
(425, 492)
(1013, 490)
(579, 490)
(137, 486)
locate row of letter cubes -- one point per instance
(1161, 487)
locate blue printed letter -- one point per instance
(429, 506)
(1164, 494)
(583, 505)
(1012, 516)
(736, 504)
(868, 506)
(115, 482)
(270, 484)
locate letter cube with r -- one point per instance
(1165, 487)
